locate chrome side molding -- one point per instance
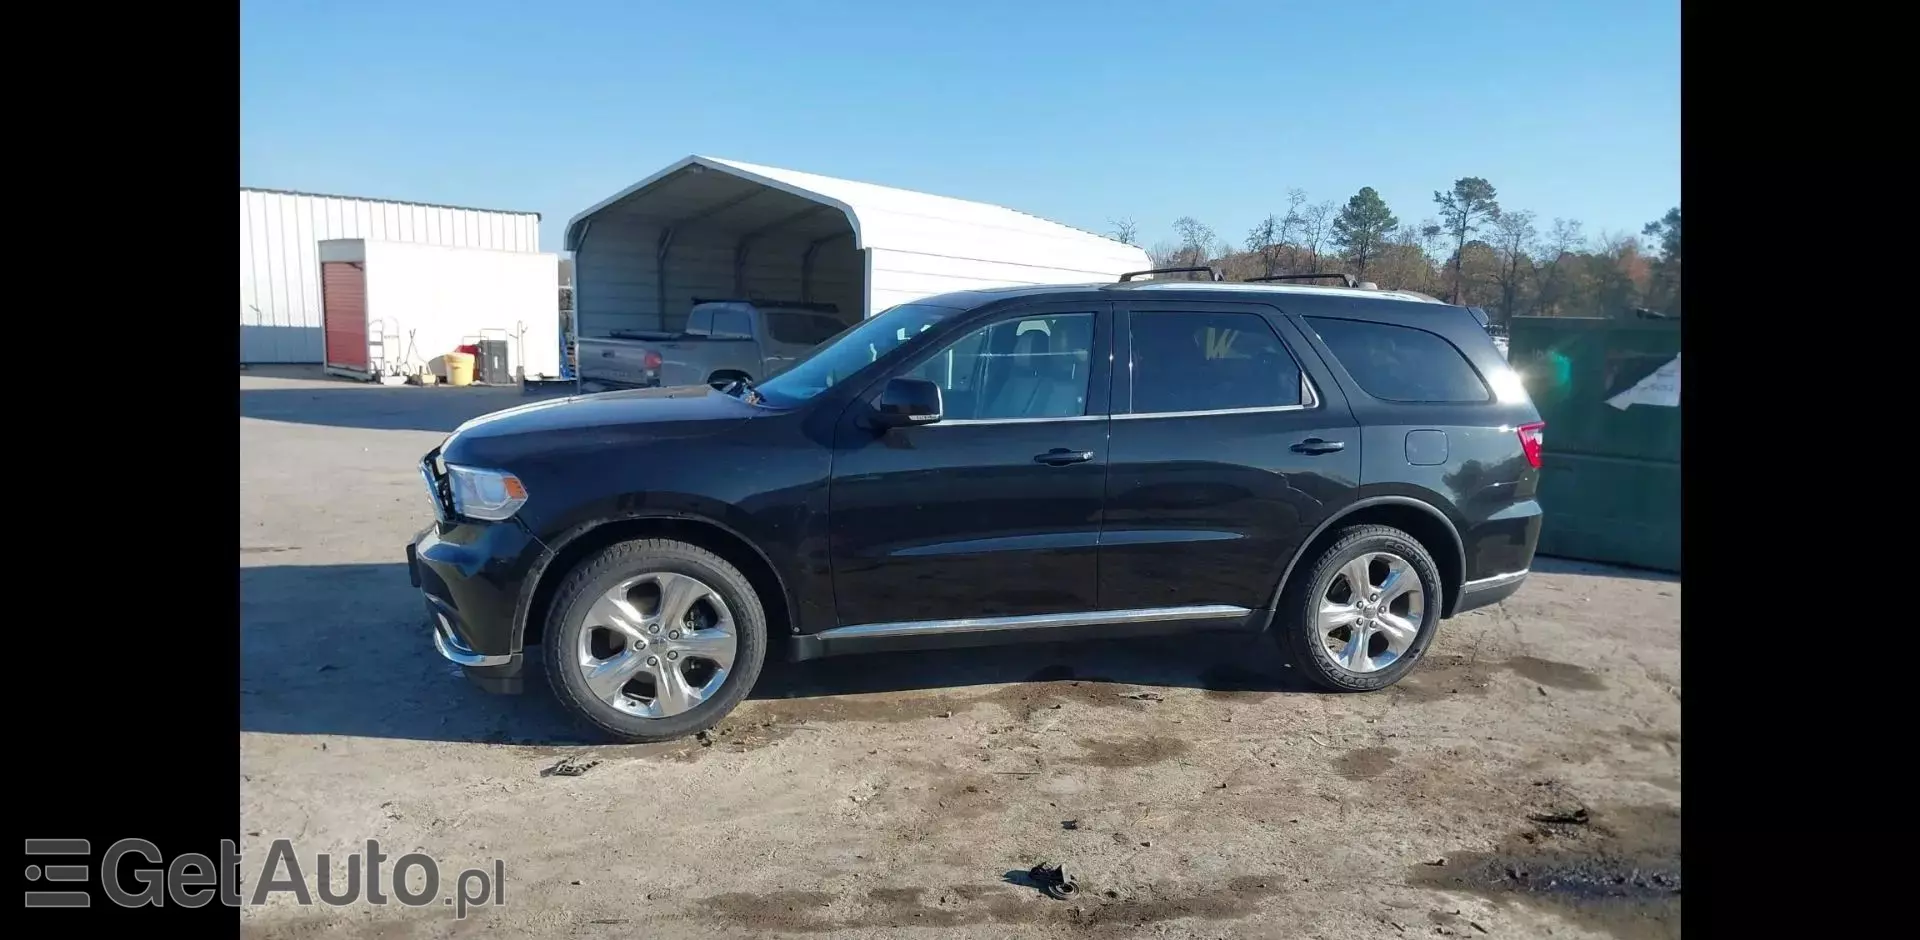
(1033, 621)
(1494, 581)
(449, 645)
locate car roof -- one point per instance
(969, 299)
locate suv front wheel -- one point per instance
(653, 640)
(1362, 616)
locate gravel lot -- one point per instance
(1523, 782)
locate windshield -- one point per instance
(857, 346)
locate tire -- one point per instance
(1303, 634)
(587, 633)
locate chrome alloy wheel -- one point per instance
(1370, 612)
(657, 645)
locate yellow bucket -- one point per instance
(459, 368)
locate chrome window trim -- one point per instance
(978, 421)
(1309, 400)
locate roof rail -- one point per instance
(1213, 272)
(1345, 278)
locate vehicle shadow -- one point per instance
(347, 404)
(1543, 564)
(344, 650)
(1219, 662)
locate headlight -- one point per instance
(489, 495)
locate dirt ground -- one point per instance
(1523, 782)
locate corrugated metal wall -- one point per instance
(280, 267)
(618, 282)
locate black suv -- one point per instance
(1340, 467)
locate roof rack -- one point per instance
(1212, 272)
(1345, 278)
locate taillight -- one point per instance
(1532, 438)
(651, 360)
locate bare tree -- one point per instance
(1264, 242)
(1553, 252)
(1464, 209)
(1197, 241)
(1403, 263)
(1164, 254)
(1123, 231)
(1429, 233)
(1612, 267)
(1290, 225)
(1315, 222)
(1513, 232)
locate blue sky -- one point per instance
(1077, 111)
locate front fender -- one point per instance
(563, 539)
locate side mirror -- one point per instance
(906, 402)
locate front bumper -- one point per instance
(470, 578)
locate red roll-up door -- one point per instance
(343, 304)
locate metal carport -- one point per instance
(706, 227)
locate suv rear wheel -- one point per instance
(1363, 615)
(654, 639)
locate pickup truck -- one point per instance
(724, 340)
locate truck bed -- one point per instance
(620, 359)
(615, 360)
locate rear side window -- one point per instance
(730, 324)
(1398, 363)
(1209, 362)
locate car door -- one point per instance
(1229, 442)
(993, 511)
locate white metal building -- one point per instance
(280, 232)
(711, 228)
(394, 308)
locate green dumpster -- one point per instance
(1609, 391)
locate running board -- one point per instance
(1032, 628)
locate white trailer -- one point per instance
(393, 308)
(720, 229)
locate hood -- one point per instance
(607, 418)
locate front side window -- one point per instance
(1210, 362)
(1399, 363)
(1027, 368)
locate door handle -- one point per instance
(1314, 445)
(1060, 457)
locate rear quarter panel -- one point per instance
(1481, 480)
